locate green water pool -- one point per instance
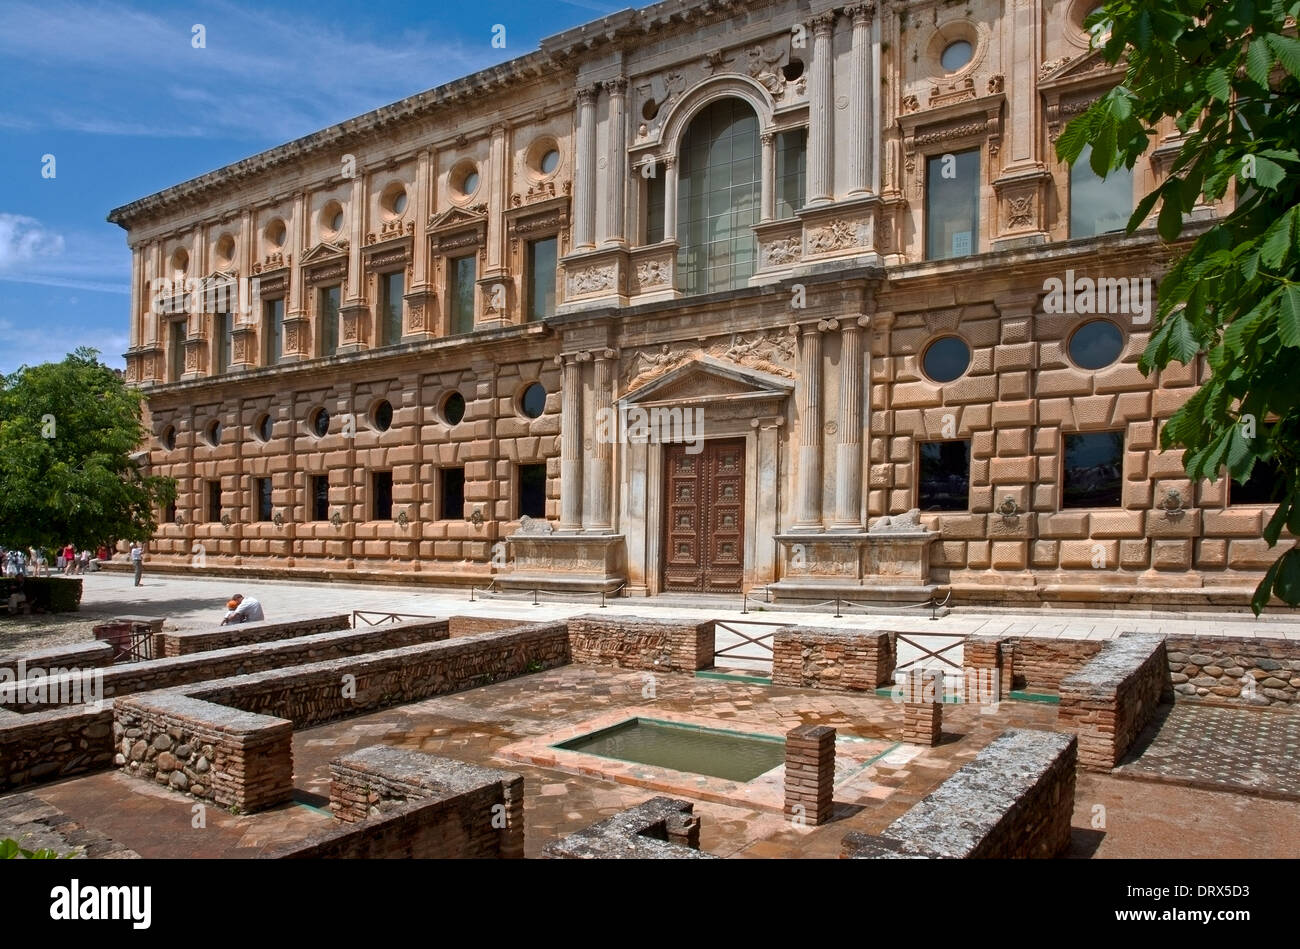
(720, 754)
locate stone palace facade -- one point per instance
(689, 300)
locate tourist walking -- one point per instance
(69, 558)
(137, 561)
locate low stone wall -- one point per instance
(662, 828)
(1015, 800)
(483, 816)
(1111, 699)
(89, 655)
(840, 660)
(1025, 662)
(54, 744)
(322, 692)
(233, 758)
(1235, 671)
(631, 642)
(243, 634)
(155, 674)
(472, 625)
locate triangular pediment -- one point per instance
(323, 251)
(455, 217)
(218, 277)
(1068, 70)
(706, 379)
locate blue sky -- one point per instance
(127, 106)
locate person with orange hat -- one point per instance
(243, 609)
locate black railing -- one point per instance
(377, 618)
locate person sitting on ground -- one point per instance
(243, 609)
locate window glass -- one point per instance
(390, 303)
(533, 401)
(952, 191)
(532, 491)
(542, 259)
(462, 274)
(1096, 344)
(262, 489)
(452, 494)
(944, 479)
(956, 55)
(273, 328)
(329, 319)
(453, 408)
(1094, 470)
(382, 486)
(946, 359)
(791, 172)
(1098, 205)
(320, 497)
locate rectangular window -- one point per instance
(531, 491)
(1264, 486)
(461, 274)
(542, 259)
(654, 208)
(320, 497)
(952, 205)
(176, 350)
(214, 501)
(222, 328)
(169, 513)
(390, 307)
(791, 172)
(1098, 205)
(381, 487)
(451, 494)
(262, 492)
(944, 478)
(1094, 470)
(272, 331)
(327, 308)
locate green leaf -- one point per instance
(1259, 60)
(1264, 592)
(1218, 85)
(1277, 240)
(1286, 582)
(1170, 222)
(1287, 51)
(1268, 173)
(1288, 323)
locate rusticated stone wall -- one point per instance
(1111, 699)
(44, 746)
(485, 817)
(631, 642)
(1014, 801)
(243, 634)
(841, 660)
(233, 758)
(662, 828)
(1235, 671)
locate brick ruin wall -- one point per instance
(630, 642)
(1111, 699)
(842, 661)
(1217, 670)
(54, 744)
(661, 828)
(242, 634)
(1013, 801)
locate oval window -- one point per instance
(383, 416)
(320, 423)
(1096, 344)
(264, 426)
(469, 184)
(946, 359)
(550, 162)
(956, 55)
(399, 202)
(168, 438)
(214, 434)
(533, 402)
(453, 408)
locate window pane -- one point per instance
(453, 494)
(320, 497)
(176, 357)
(944, 483)
(532, 491)
(791, 172)
(542, 257)
(1098, 206)
(952, 190)
(390, 301)
(262, 487)
(214, 501)
(1094, 469)
(382, 482)
(329, 320)
(221, 327)
(462, 274)
(655, 204)
(1264, 486)
(273, 328)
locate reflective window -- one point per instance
(718, 198)
(944, 478)
(952, 205)
(654, 210)
(272, 331)
(328, 310)
(791, 172)
(550, 161)
(1094, 470)
(391, 288)
(222, 330)
(543, 256)
(533, 401)
(461, 274)
(1097, 205)
(1096, 344)
(956, 55)
(946, 359)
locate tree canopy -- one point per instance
(1228, 75)
(69, 433)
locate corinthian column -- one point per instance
(809, 401)
(669, 166)
(598, 514)
(617, 89)
(848, 448)
(862, 106)
(571, 444)
(821, 114)
(768, 199)
(584, 198)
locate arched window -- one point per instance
(718, 193)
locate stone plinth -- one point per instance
(883, 567)
(810, 773)
(576, 563)
(922, 693)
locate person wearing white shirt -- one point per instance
(243, 609)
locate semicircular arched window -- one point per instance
(718, 193)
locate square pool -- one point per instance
(734, 756)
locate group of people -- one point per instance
(72, 563)
(16, 563)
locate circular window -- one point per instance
(263, 428)
(331, 218)
(393, 200)
(453, 408)
(956, 55)
(946, 359)
(469, 184)
(275, 233)
(1096, 344)
(226, 250)
(180, 261)
(382, 416)
(213, 433)
(168, 438)
(399, 202)
(792, 70)
(336, 222)
(533, 402)
(320, 423)
(649, 110)
(550, 161)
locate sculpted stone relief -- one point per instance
(766, 350)
(593, 279)
(837, 235)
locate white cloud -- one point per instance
(31, 252)
(23, 240)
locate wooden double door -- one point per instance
(704, 523)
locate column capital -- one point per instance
(587, 95)
(767, 138)
(607, 354)
(825, 325)
(823, 23)
(862, 13)
(616, 87)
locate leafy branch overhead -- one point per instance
(69, 437)
(1227, 75)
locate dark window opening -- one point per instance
(452, 492)
(1264, 486)
(262, 490)
(320, 497)
(532, 491)
(214, 501)
(1094, 470)
(381, 483)
(944, 482)
(542, 261)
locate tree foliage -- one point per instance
(1228, 75)
(68, 434)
